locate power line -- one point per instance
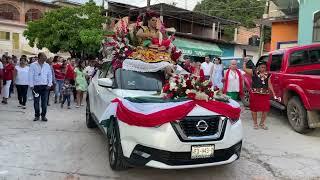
(213, 10)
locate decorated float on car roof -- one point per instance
(147, 46)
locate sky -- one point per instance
(180, 3)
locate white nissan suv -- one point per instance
(203, 138)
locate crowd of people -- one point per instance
(231, 81)
(39, 76)
(227, 82)
(36, 77)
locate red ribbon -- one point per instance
(172, 114)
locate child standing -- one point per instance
(67, 89)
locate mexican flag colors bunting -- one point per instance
(151, 112)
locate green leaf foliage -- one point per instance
(77, 30)
(247, 12)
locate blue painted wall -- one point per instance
(228, 50)
(307, 10)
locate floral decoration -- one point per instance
(188, 86)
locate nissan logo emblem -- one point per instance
(202, 126)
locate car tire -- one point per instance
(116, 159)
(246, 96)
(89, 119)
(297, 115)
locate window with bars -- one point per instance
(316, 27)
(4, 36)
(33, 14)
(9, 12)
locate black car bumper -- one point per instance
(141, 155)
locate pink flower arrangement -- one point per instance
(188, 86)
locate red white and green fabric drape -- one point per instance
(151, 114)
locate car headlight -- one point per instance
(233, 121)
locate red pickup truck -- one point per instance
(295, 75)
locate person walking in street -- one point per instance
(21, 81)
(70, 75)
(1, 74)
(14, 63)
(217, 74)
(7, 79)
(233, 86)
(59, 76)
(66, 93)
(40, 81)
(52, 88)
(259, 93)
(206, 67)
(30, 94)
(81, 82)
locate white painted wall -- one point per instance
(251, 51)
(7, 46)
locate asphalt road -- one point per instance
(63, 148)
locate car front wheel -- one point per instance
(116, 159)
(246, 96)
(89, 119)
(297, 115)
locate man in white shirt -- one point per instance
(206, 67)
(40, 81)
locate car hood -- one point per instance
(197, 111)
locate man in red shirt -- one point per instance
(70, 75)
(59, 73)
(1, 73)
(7, 79)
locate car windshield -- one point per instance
(132, 80)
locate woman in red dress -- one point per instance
(7, 79)
(259, 93)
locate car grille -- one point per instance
(187, 129)
(189, 126)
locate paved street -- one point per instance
(63, 148)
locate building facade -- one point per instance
(293, 22)
(309, 22)
(14, 16)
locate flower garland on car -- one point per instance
(117, 45)
(188, 86)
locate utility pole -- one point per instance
(148, 4)
(261, 45)
(161, 13)
(105, 6)
(185, 4)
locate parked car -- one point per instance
(170, 146)
(295, 75)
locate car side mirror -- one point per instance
(105, 82)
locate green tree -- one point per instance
(247, 12)
(77, 30)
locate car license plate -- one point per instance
(203, 151)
